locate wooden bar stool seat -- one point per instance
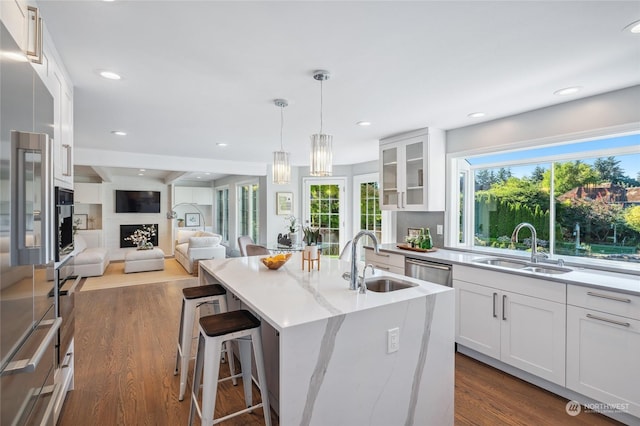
(192, 299)
(215, 330)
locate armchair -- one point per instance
(197, 245)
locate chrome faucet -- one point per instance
(535, 256)
(363, 282)
(353, 277)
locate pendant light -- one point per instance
(321, 150)
(281, 168)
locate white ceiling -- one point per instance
(203, 72)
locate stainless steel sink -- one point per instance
(547, 269)
(505, 263)
(522, 265)
(386, 284)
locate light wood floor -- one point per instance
(125, 356)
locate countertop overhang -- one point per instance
(290, 296)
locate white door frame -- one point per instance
(306, 214)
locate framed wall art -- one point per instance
(284, 203)
(192, 219)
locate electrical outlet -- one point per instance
(393, 340)
(439, 229)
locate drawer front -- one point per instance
(386, 268)
(536, 287)
(626, 305)
(384, 258)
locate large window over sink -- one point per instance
(583, 198)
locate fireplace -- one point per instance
(127, 230)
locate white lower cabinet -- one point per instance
(385, 261)
(514, 327)
(603, 349)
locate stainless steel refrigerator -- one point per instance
(28, 326)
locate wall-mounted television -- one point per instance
(137, 201)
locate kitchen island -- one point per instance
(330, 362)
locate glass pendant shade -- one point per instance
(281, 168)
(281, 172)
(321, 155)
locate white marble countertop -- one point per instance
(290, 296)
(615, 281)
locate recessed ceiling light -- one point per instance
(207, 173)
(198, 177)
(140, 174)
(223, 144)
(119, 133)
(143, 170)
(633, 27)
(476, 114)
(110, 75)
(363, 123)
(567, 91)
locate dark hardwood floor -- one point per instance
(125, 347)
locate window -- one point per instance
(583, 198)
(248, 210)
(222, 213)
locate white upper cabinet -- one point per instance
(87, 193)
(13, 14)
(412, 167)
(193, 195)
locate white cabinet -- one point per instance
(14, 16)
(412, 168)
(388, 262)
(193, 195)
(87, 193)
(62, 128)
(518, 320)
(603, 346)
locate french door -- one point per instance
(323, 208)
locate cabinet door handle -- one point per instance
(398, 200)
(495, 296)
(504, 300)
(384, 268)
(67, 171)
(624, 324)
(383, 255)
(606, 296)
(404, 204)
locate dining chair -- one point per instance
(242, 244)
(256, 250)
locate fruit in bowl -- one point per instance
(276, 261)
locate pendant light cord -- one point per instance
(281, 126)
(320, 106)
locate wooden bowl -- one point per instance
(276, 261)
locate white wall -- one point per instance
(567, 120)
(111, 220)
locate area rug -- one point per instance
(114, 276)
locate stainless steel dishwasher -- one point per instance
(439, 273)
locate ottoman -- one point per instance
(144, 260)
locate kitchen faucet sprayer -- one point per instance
(353, 278)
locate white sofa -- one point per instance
(89, 261)
(197, 245)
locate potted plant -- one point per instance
(180, 222)
(292, 227)
(311, 238)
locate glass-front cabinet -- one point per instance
(413, 175)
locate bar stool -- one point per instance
(215, 330)
(192, 299)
